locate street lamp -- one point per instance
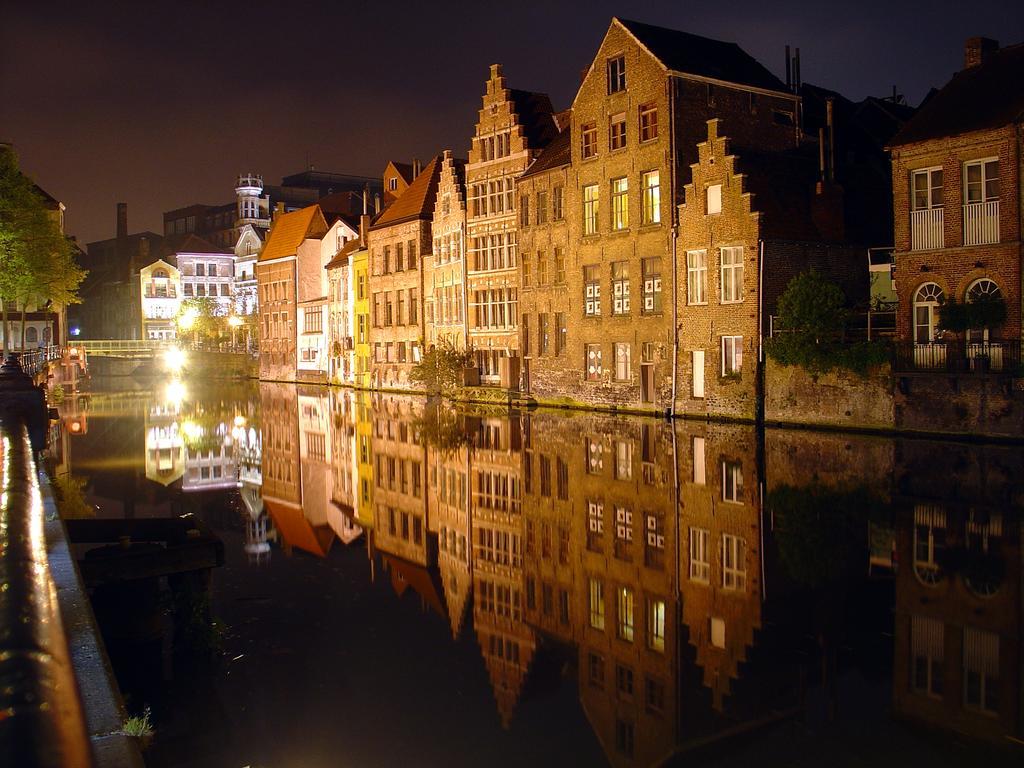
(235, 322)
(187, 321)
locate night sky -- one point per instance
(163, 105)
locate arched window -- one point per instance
(983, 289)
(926, 312)
(31, 335)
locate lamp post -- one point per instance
(235, 322)
(187, 321)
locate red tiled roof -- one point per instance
(296, 531)
(290, 229)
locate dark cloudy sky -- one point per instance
(161, 105)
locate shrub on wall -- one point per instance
(811, 321)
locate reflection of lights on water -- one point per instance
(175, 392)
(191, 430)
(239, 421)
(76, 426)
(174, 359)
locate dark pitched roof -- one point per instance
(783, 184)
(989, 95)
(536, 116)
(702, 56)
(557, 154)
(417, 201)
(192, 243)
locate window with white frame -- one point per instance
(734, 562)
(696, 277)
(623, 532)
(981, 670)
(732, 355)
(926, 188)
(592, 291)
(651, 278)
(732, 274)
(623, 460)
(927, 644)
(592, 361)
(981, 181)
(700, 562)
(616, 74)
(620, 288)
(732, 482)
(714, 198)
(596, 604)
(623, 367)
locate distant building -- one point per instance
(206, 272)
(161, 299)
(444, 275)
(956, 180)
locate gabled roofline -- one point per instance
(734, 85)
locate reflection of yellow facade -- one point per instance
(361, 315)
(720, 545)
(160, 294)
(364, 459)
(450, 498)
(165, 445)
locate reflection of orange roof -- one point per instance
(290, 229)
(405, 574)
(296, 530)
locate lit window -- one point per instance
(590, 209)
(626, 605)
(714, 198)
(651, 211)
(696, 277)
(620, 203)
(596, 604)
(656, 624)
(732, 275)
(622, 361)
(732, 355)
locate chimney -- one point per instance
(831, 135)
(366, 199)
(364, 228)
(376, 203)
(122, 221)
(789, 71)
(416, 167)
(977, 50)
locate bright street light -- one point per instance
(174, 359)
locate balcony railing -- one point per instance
(926, 229)
(998, 356)
(981, 223)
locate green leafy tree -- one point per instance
(37, 262)
(812, 320)
(441, 369)
(980, 312)
(202, 318)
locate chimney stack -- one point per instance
(366, 199)
(364, 228)
(122, 221)
(789, 70)
(796, 71)
(977, 50)
(830, 124)
(416, 167)
(376, 203)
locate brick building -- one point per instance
(643, 102)
(398, 240)
(444, 277)
(750, 221)
(549, 370)
(956, 170)
(512, 128)
(290, 255)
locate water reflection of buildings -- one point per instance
(648, 554)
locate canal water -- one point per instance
(414, 584)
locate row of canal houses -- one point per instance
(630, 251)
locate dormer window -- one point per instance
(392, 184)
(616, 74)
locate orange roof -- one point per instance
(405, 574)
(290, 229)
(417, 201)
(296, 530)
(341, 257)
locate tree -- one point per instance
(441, 369)
(37, 262)
(202, 316)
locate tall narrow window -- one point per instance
(620, 288)
(527, 272)
(927, 645)
(588, 140)
(734, 562)
(557, 195)
(592, 361)
(592, 291)
(542, 268)
(732, 355)
(590, 209)
(542, 207)
(651, 284)
(732, 275)
(732, 482)
(559, 266)
(982, 181)
(524, 210)
(561, 333)
(617, 131)
(616, 74)
(981, 670)
(620, 203)
(651, 208)
(648, 122)
(714, 198)
(626, 605)
(700, 563)
(623, 366)
(544, 331)
(596, 604)
(696, 277)
(655, 624)
(926, 186)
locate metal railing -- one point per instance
(33, 360)
(42, 722)
(996, 356)
(926, 229)
(981, 223)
